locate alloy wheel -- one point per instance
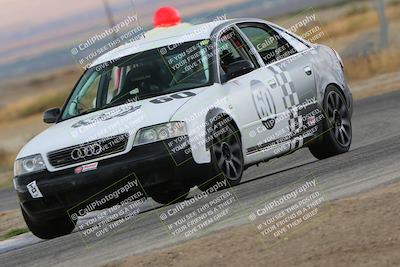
(228, 154)
(339, 119)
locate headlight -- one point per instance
(30, 164)
(160, 132)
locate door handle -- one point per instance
(272, 83)
(308, 70)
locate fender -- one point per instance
(197, 112)
(212, 116)
(330, 73)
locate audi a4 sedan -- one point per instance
(189, 106)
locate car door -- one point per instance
(292, 82)
(246, 91)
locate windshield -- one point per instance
(139, 76)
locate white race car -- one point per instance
(184, 107)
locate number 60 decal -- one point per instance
(166, 99)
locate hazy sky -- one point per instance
(39, 34)
(29, 14)
(41, 24)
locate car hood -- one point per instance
(127, 118)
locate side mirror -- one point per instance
(51, 115)
(239, 68)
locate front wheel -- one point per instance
(49, 229)
(337, 136)
(226, 156)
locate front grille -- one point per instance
(88, 151)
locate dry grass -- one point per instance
(356, 19)
(34, 94)
(32, 105)
(372, 64)
(360, 18)
(6, 179)
(6, 167)
(11, 224)
(394, 3)
(357, 10)
(14, 232)
(6, 160)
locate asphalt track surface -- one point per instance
(372, 162)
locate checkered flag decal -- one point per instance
(286, 84)
(291, 100)
(295, 126)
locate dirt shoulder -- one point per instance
(358, 231)
(11, 220)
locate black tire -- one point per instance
(174, 195)
(49, 229)
(337, 126)
(226, 155)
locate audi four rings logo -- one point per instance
(87, 151)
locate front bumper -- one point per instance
(154, 165)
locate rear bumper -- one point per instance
(349, 100)
(154, 165)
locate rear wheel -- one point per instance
(226, 156)
(48, 229)
(337, 126)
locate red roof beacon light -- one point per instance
(166, 17)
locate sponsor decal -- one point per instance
(264, 103)
(78, 170)
(118, 112)
(34, 190)
(86, 168)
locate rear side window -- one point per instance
(293, 41)
(262, 40)
(269, 43)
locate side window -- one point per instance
(270, 45)
(262, 40)
(231, 48)
(85, 100)
(293, 41)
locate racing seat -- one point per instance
(140, 81)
